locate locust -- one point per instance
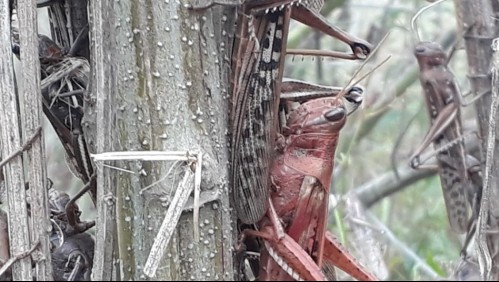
(440, 90)
(257, 66)
(73, 260)
(72, 251)
(294, 233)
(443, 100)
(257, 60)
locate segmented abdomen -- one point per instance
(454, 178)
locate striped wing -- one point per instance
(255, 101)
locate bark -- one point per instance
(31, 106)
(476, 20)
(11, 141)
(4, 244)
(160, 83)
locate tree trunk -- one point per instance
(160, 83)
(20, 120)
(476, 20)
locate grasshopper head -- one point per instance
(324, 115)
(429, 54)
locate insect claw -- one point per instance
(355, 95)
(415, 162)
(361, 50)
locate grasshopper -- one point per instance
(440, 91)
(73, 260)
(443, 101)
(257, 60)
(72, 251)
(301, 176)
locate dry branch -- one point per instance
(388, 183)
(31, 111)
(477, 21)
(11, 141)
(102, 87)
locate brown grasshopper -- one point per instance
(441, 92)
(443, 101)
(257, 59)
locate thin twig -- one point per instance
(15, 258)
(23, 148)
(398, 142)
(402, 247)
(146, 156)
(414, 26)
(197, 189)
(159, 180)
(169, 223)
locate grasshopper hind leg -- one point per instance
(454, 191)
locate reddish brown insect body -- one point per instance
(301, 177)
(308, 151)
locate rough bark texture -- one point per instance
(31, 106)
(102, 89)
(160, 83)
(476, 20)
(11, 141)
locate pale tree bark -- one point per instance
(31, 112)
(160, 82)
(11, 141)
(477, 23)
(28, 231)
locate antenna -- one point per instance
(414, 28)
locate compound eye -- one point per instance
(419, 49)
(336, 114)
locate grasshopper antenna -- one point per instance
(414, 26)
